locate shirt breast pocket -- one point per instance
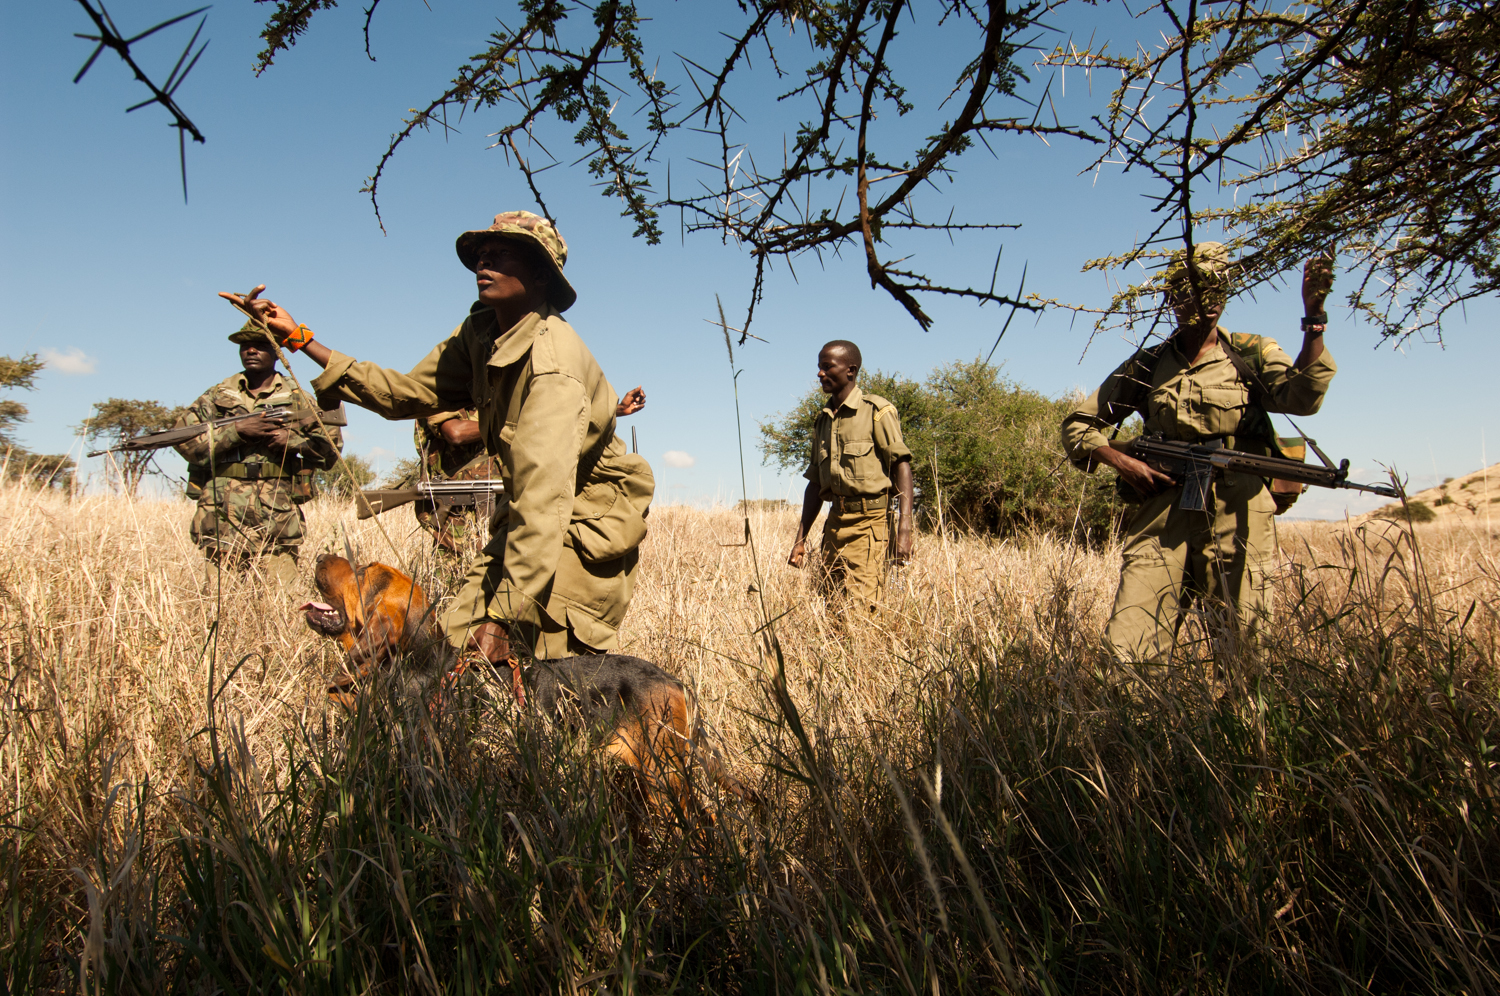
(1223, 407)
(857, 458)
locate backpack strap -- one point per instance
(1258, 390)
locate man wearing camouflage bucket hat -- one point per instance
(1201, 384)
(558, 572)
(250, 477)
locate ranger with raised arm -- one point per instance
(250, 477)
(1202, 385)
(858, 457)
(559, 575)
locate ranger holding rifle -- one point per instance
(252, 469)
(1203, 531)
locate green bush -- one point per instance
(986, 454)
(1414, 511)
(338, 481)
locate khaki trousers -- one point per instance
(587, 629)
(854, 565)
(1173, 556)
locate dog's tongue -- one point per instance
(321, 607)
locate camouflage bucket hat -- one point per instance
(1215, 271)
(249, 332)
(523, 226)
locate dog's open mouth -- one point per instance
(323, 617)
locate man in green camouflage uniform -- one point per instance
(250, 477)
(558, 577)
(1201, 384)
(857, 457)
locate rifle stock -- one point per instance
(444, 493)
(372, 503)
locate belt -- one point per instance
(866, 504)
(254, 471)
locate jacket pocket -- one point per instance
(606, 525)
(855, 458)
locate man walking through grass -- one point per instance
(250, 477)
(857, 458)
(558, 574)
(1201, 384)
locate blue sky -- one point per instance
(107, 272)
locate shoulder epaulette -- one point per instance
(880, 405)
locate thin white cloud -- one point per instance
(677, 458)
(380, 453)
(75, 361)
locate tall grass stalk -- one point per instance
(965, 798)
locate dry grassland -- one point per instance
(1100, 830)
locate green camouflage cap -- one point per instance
(523, 226)
(249, 332)
(1215, 271)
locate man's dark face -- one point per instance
(256, 357)
(505, 273)
(835, 371)
(1191, 319)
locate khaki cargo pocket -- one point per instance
(605, 523)
(1223, 408)
(853, 460)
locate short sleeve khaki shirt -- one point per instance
(855, 447)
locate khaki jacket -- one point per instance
(1193, 402)
(226, 450)
(854, 448)
(547, 411)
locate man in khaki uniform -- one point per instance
(1201, 384)
(558, 574)
(250, 477)
(857, 454)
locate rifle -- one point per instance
(1195, 464)
(445, 494)
(280, 414)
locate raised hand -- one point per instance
(634, 401)
(277, 318)
(1317, 281)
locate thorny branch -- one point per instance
(551, 70)
(110, 37)
(1370, 125)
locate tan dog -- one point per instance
(378, 613)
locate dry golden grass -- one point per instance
(117, 636)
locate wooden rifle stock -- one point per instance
(444, 493)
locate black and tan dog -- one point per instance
(378, 614)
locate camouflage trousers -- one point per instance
(854, 564)
(1174, 557)
(241, 521)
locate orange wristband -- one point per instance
(298, 339)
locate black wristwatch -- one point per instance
(1319, 320)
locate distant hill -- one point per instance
(1475, 495)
